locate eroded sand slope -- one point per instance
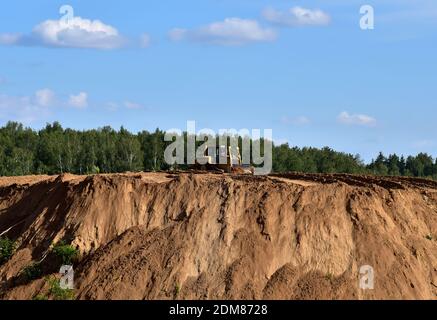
(206, 236)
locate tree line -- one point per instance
(55, 150)
(326, 160)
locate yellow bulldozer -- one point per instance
(223, 159)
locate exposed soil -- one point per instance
(213, 236)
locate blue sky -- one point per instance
(318, 80)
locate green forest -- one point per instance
(55, 150)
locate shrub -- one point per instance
(177, 290)
(66, 252)
(33, 271)
(429, 237)
(57, 293)
(7, 248)
(40, 297)
(330, 277)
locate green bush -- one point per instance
(7, 248)
(57, 293)
(66, 252)
(33, 271)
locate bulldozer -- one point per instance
(225, 160)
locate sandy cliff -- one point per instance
(207, 236)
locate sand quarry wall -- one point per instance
(206, 236)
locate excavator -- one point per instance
(227, 160)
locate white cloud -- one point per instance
(38, 106)
(132, 105)
(297, 16)
(301, 120)
(427, 143)
(177, 34)
(9, 38)
(145, 40)
(25, 109)
(356, 119)
(45, 97)
(79, 101)
(111, 106)
(116, 106)
(76, 33)
(230, 32)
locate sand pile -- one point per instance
(208, 236)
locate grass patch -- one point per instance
(57, 293)
(40, 297)
(66, 252)
(177, 290)
(7, 249)
(33, 271)
(330, 277)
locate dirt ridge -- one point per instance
(208, 236)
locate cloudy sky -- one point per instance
(303, 68)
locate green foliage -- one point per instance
(57, 293)
(66, 252)
(312, 160)
(177, 291)
(330, 277)
(32, 272)
(55, 150)
(40, 297)
(423, 166)
(7, 248)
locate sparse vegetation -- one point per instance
(32, 272)
(40, 297)
(429, 237)
(66, 252)
(177, 290)
(7, 248)
(329, 277)
(57, 293)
